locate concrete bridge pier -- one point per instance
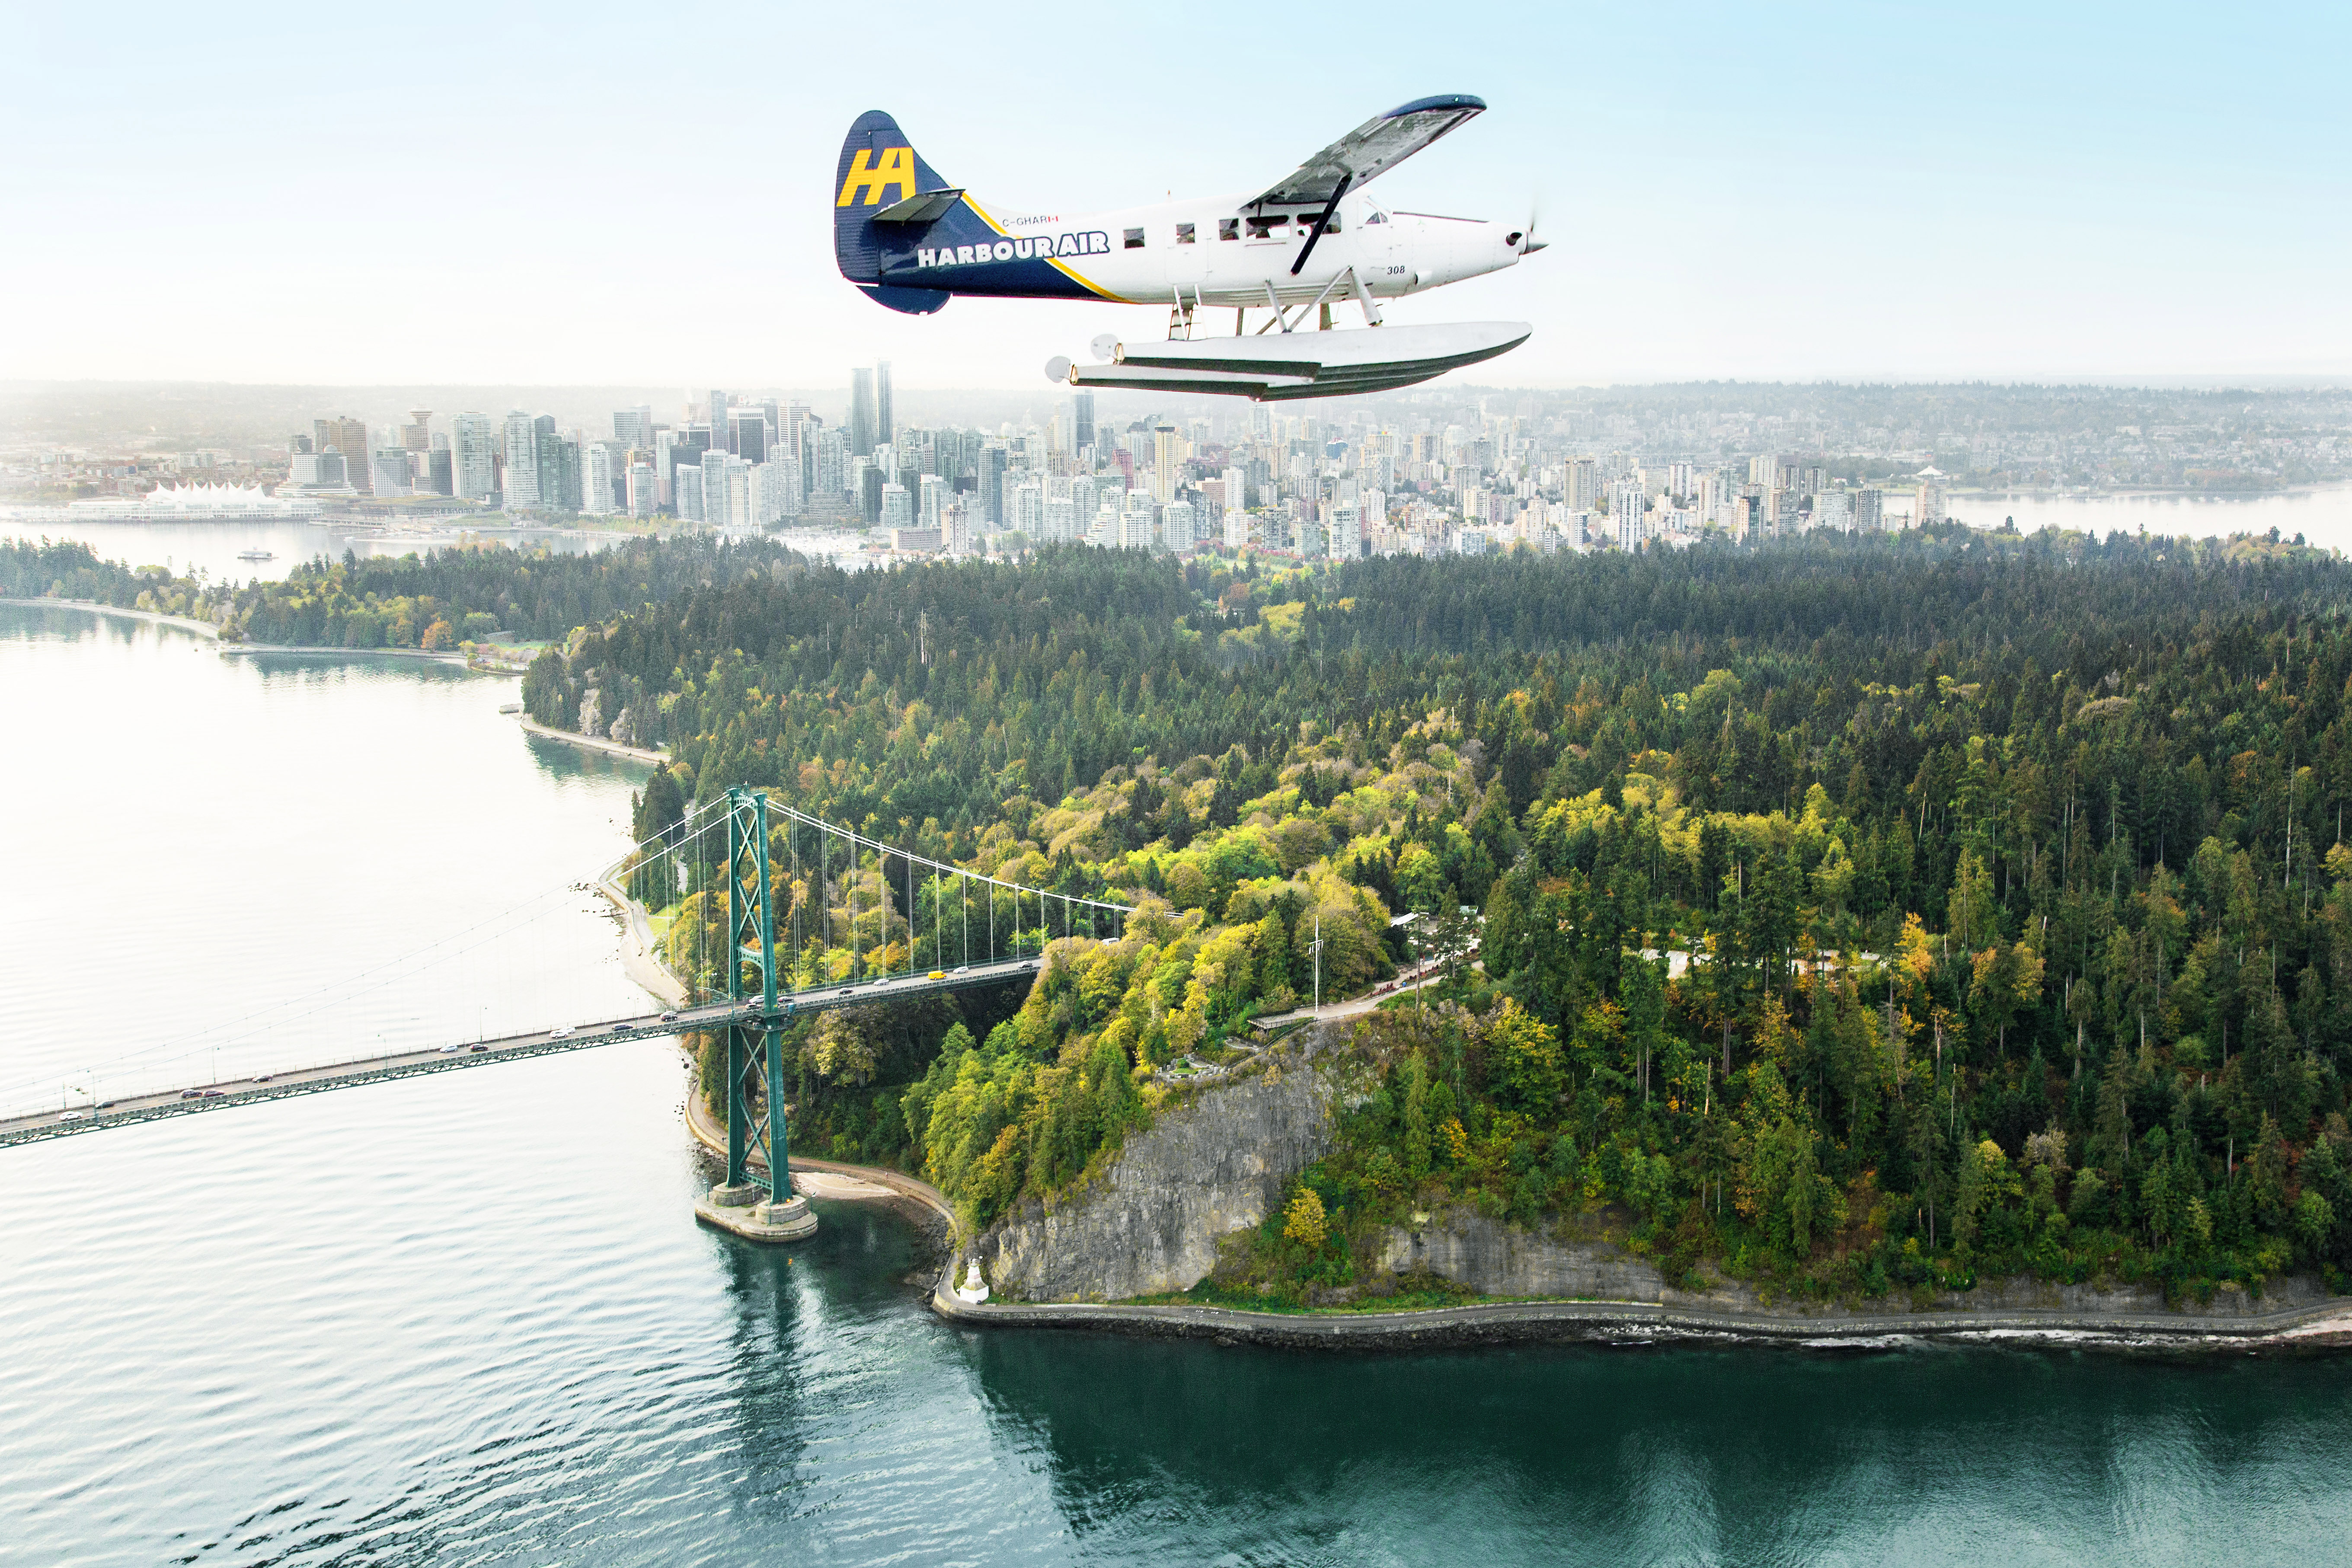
(745, 1209)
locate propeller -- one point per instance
(1529, 244)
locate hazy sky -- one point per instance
(485, 193)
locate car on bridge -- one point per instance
(561, 1031)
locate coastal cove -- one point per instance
(470, 1317)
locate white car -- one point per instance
(73, 1116)
(452, 1050)
(561, 1031)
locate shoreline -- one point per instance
(226, 649)
(185, 623)
(2326, 1326)
(594, 743)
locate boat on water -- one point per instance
(256, 555)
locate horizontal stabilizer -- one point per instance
(928, 208)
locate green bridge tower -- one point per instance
(763, 1210)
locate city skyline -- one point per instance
(1827, 193)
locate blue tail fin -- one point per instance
(878, 167)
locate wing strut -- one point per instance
(1333, 205)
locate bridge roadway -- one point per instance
(221, 1096)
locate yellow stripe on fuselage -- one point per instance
(1067, 270)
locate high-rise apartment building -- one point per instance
(1167, 457)
(1580, 484)
(522, 459)
(1927, 502)
(1135, 521)
(634, 428)
(1237, 526)
(897, 507)
(932, 498)
(559, 479)
(1869, 508)
(644, 491)
(1176, 527)
(1347, 532)
(861, 414)
(475, 444)
(1625, 500)
(605, 486)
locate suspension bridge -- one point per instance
(758, 915)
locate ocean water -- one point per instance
(470, 1319)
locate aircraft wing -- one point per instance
(1372, 148)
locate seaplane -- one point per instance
(1312, 240)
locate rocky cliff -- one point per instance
(1150, 1221)
(1497, 1260)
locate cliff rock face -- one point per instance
(1468, 1247)
(1151, 1221)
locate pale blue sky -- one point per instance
(485, 193)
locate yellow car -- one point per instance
(939, 974)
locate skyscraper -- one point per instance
(435, 469)
(350, 437)
(1869, 508)
(522, 459)
(477, 450)
(559, 482)
(992, 485)
(1082, 409)
(748, 435)
(933, 502)
(715, 416)
(861, 412)
(417, 436)
(605, 487)
(883, 427)
(634, 428)
(1164, 461)
(645, 494)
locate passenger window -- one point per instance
(1135, 240)
(1333, 226)
(1184, 233)
(1229, 228)
(1264, 227)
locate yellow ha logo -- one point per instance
(897, 169)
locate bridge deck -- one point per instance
(378, 1069)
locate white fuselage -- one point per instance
(1220, 252)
